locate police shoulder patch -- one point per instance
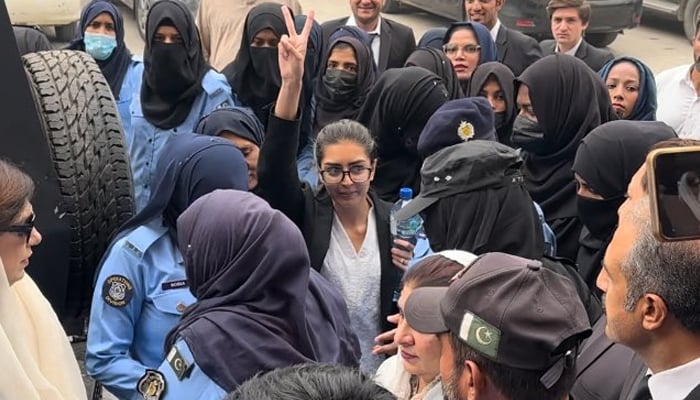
(117, 290)
(151, 385)
(178, 363)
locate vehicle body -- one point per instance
(608, 17)
(685, 11)
(141, 7)
(61, 14)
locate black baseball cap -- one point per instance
(512, 310)
(462, 168)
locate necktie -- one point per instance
(641, 391)
(375, 49)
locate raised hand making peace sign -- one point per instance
(292, 48)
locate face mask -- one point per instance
(99, 46)
(500, 119)
(170, 73)
(528, 135)
(339, 84)
(599, 216)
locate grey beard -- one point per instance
(450, 388)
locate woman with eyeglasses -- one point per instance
(345, 224)
(468, 45)
(38, 362)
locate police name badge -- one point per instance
(117, 291)
(151, 385)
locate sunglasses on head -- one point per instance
(25, 228)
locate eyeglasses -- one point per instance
(25, 229)
(356, 173)
(467, 48)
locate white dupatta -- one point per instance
(37, 360)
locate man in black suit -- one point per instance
(569, 20)
(392, 42)
(515, 50)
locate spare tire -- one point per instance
(87, 145)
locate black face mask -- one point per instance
(170, 73)
(500, 119)
(599, 216)
(528, 135)
(339, 84)
(266, 63)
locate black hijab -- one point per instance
(260, 306)
(172, 76)
(437, 62)
(115, 67)
(607, 159)
(395, 111)
(254, 74)
(330, 108)
(498, 217)
(569, 100)
(506, 80)
(237, 120)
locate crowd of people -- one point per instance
(266, 155)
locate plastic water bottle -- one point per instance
(407, 229)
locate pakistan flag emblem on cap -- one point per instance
(480, 335)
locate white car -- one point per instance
(61, 14)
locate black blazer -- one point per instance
(602, 367)
(592, 56)
(397, 42)
(516, 50)
(313, 212)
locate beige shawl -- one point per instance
(38, 362)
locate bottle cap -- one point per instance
(406, 194)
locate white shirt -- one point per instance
(573, 50)
(375, 35)
(357, 275)
(675, 383)
(495, 29)
(679, 105)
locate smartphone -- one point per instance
(674, 187)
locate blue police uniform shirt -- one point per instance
(192, 383)
(139, 297)
(145, 141)
(131, 87)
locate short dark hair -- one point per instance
(344, 130)
(582, 6)
(433, 271)
(668, 144)
(513, 383)
(311, 382)
(16, 189)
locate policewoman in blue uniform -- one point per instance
(141, 289)
(101, 35)
(178, 88)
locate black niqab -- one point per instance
(254, 74)
(330, 109)
(115, 67)
(569, 100)
(260, 306)
(437, 62)
(173, 73)
(396, 111)
(607, 159)
(506, 80)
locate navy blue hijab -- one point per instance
(645, 107)
(351, 31)
(237, 120)
(483, 36)
(115, 67)
(260, 306)
(191, 166)
(433, 38)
